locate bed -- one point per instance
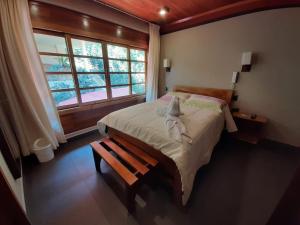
(178, 161)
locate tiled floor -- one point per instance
(240, 186)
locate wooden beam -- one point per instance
(54, 18)
(235, 9)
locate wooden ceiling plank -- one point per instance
(227, 11)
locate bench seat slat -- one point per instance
(126, 175)
(126, 157)
(136, 151)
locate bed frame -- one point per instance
(167, 167)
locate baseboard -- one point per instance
(278, 145)
(80, 132)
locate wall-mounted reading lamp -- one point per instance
(167, 65)
(246, 61)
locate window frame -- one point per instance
(57, 73)
(68, 38)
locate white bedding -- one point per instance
(203, 125)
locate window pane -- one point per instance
(116, 79)
(137, 67)
(137, 55)
(119, 91)
(116, 52)
(87, 48)
(138, 89)
(56, 63)
(95, 94)
(64, 98)
(50, 43)
(138, 78)
(118, 66)
(91, 80)
(61, 81)
(88, 64)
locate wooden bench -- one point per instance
(131, 163)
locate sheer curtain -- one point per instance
(153, 63)
(33, 112)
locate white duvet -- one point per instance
(203, 125)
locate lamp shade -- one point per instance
(246, 58)
(246, 61)
(167, 63)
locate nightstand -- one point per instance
(249, 128)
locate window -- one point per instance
(89, 66)
(57, 66)
(126, 70)
(138, 71)
(118, 61)
(81, 70)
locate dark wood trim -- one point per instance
(11, 212)
(129, 71)
(57, 73)
(53, 54)
(88, 115)
(224, 94)
(62, 90)
(228, 11)
(73, 68)
(54, 18)
(103, 103)
(106, 69)
(12, 163)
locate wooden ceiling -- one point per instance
(188, 13)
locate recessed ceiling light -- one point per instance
(163, 11)
(85, 22)
(119, 31)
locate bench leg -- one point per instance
(97, 160)
(131, 191)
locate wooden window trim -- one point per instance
(86, 88)
(106, 71)
(57, 73)
(54, 54)
(62, 90)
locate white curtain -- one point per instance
(33, 111)
(153, 63)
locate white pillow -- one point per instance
(182, 96)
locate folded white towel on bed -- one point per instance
(176, 129)
(174, 107)
(175, 126)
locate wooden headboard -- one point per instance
(224, 94)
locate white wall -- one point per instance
(100, 11)
(207, 55)
(15, 185)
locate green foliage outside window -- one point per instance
(89, 59)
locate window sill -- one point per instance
(95, 105)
